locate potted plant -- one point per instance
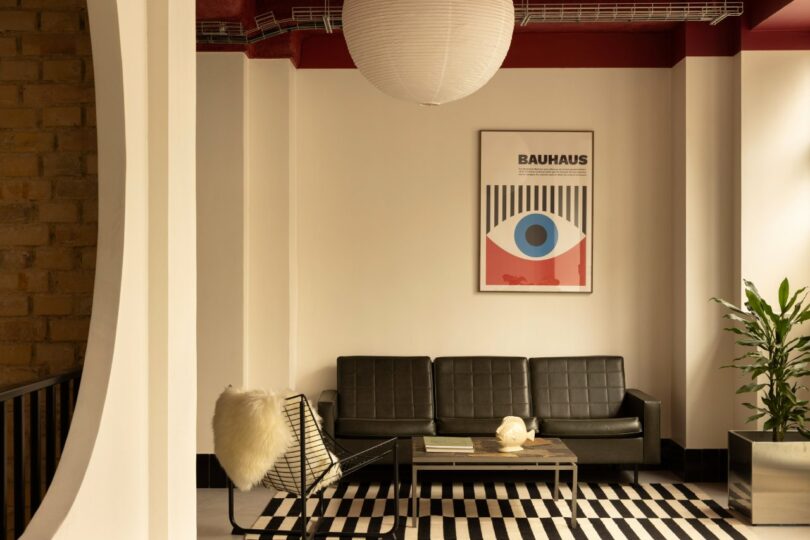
(769, 471)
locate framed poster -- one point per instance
(536, 211)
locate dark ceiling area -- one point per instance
(765, 24)
(245, 10)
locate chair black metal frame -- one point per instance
(336, 455)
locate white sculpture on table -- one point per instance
(512, 434)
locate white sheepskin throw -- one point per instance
(250, 434)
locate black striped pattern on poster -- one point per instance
(505, 201)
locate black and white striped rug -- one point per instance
(515, 510)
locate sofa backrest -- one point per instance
(577, 387)
(474, 393)
(385, 387)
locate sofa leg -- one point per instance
(635, 474)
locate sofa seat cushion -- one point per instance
(475, 426)
(580, 428)
(388, 427)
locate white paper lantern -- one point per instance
(428, 51)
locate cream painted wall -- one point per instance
(703, 191)
(377, 242)
(775, 168)
(679, 244)
(709, 255)
(387, 223)
(267, 223)
(244, 228)
(742, 187)
(172, 268)
(774, 172)
(128, 465)
(221, 232)
(380, 254)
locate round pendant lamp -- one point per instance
(428, 51)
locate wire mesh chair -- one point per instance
(314, 461)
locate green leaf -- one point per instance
(730, 306)
(750, 286)
(784, 291)
(766, 307)
(754, 303)
(753, 387)
(796, 343)
(737, 318)
(782, 329)
(771, 353)
(755, 417)
(793, 300)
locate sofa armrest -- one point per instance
(648, 410)
(328, 410)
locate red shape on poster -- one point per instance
(503, 268)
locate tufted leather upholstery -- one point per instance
(577, 387)
(384, 395)
(587, 428)
(474, 393)
(381, 397)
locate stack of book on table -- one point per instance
(449, 444)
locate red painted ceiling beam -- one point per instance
(547, 45)
(794, 17)
(758, 11)
(223, 10)
(561, 47)
(227, 10)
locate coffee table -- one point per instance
(538, 455)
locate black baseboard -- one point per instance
(210, 473)
(690, 464)
(695, 464)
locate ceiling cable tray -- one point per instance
(328, 18)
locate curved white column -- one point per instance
(128, 466)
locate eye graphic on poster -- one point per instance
(536, 211)
(536, 236)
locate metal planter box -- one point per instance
(769, 482)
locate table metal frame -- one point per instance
(455, 465)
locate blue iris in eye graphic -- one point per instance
(536, 235)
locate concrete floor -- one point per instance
(212, 511)
(212, 507)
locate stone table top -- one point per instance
(486, 451)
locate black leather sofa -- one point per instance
(581, 400)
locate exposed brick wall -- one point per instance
(48, 187)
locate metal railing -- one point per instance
(24, 412)
(710, 12)
(329, 18)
